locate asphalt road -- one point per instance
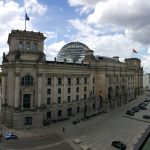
(52, 142)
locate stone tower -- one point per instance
(21, 79)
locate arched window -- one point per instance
(20, 45)
(27, 80)
(34, 46)
(28, 45)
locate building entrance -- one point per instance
(69, 112)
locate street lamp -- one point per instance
(85, 110)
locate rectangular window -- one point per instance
(28, 121)
(59, 113)
(93, 80)
(59, 81)
(26, 100)
(48, 114)
(48, 91)
(77, 97)
(117, 78)
(59, 90)
(69, 90)
(69, 99)
(93, 106)
(49, 81)
(93, 89)
(69, 81)
(85, 89)
(77, 81)
(84, 96)
(77, 89)
(78, 109)
(59, 100)
(85, 80)
(48, 100)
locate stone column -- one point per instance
(16, 104)
(3, 89)
(65, 89)
(73, 88)
(81, 88)
(55, 90)
(39, 90)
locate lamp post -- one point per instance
(85, 110)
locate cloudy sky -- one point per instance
(109, 27)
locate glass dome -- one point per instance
(73, 51)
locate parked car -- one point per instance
(135, 109)
(146, 116)
(143, 107)
(130, 112)
(76, 121)
(119, 145)
(10, 135)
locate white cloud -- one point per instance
(50, 35)
(87, 3)
(146, 63)
(53, 49)
(132, 15)
(35, 7)
(84, 6)
(83, 27)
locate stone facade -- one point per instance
(35, 90)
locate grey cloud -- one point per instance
(140, 35)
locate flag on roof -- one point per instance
(27, 17)
(134, 51)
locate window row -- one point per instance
(59, 100)
(27, 45)
(59, 113)
(28, 80)
(69, 90)
(69, 81)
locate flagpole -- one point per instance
(25, 18)
(25, 24)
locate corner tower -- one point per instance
(25, 46)
(133, 66)
(22, 79)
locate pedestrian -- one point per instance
(63, 129)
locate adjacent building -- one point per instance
(146, 81)
(146, 84)
(35, 90)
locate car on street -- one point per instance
(146, 116)
(76, 121)
(135, 109)
(119, 145)
(130, 112)
(142, 107)
(10, 135)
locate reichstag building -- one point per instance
(35, 90)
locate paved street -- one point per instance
(97, 133)
(51, 141)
